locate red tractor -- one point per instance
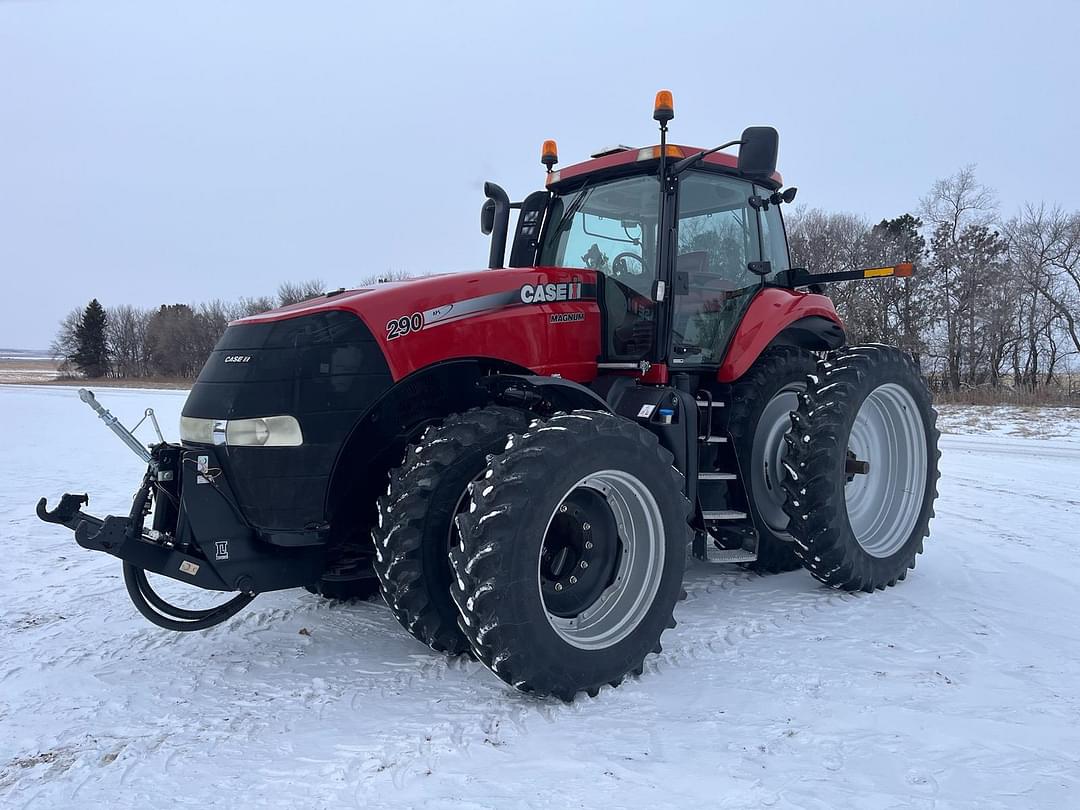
(518, 458)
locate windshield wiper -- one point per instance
(572, 209)
(686, 163)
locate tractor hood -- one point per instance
(498, 314)
(326, 362)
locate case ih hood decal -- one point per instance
(543, 293)
(527, 294)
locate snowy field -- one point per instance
(960, 688)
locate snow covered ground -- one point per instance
(959, 688)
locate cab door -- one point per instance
(718, 233)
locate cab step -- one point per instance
(730, 555)
(723, 514)
(717, 476)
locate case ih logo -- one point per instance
(542, 293)
(238, 358)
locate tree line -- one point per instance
(994, 304)
(171, 341)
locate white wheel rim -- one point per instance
(622, 606)
(884, 504)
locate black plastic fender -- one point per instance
(546, 395)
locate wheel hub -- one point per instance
(767, 453)
(580, 553)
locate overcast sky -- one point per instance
(156, 153)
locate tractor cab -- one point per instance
(680, 239)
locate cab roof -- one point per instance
(623, 158)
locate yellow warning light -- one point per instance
(653, 152)
(664, 107)
(549, 154)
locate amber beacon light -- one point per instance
(549, 154)
(664, 107)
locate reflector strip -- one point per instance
(903, 269)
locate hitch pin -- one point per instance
(114, 425)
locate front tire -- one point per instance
(862, 464)
(572, 554)
(346, 589)
(415, 525)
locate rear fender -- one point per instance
(781, 316)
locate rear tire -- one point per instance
(861, 528)
(761, 405)
(415, 525)
(572, 554)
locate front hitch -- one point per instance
(186, 523)
(69, 513)
(125, 538)
(155, 550)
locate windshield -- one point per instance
(610, 227)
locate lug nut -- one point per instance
(558, 586)
(562, 508)
(573, 580)
(588, 544)
(584, 564)
(586, 526)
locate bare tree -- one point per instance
(252, 306)
(66, 342)
(175, 341)
(126, 335)
(293, 292)
(952, 209)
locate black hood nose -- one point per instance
(325, 369)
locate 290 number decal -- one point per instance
(399, 327)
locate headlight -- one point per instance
(264, 431)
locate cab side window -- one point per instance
(773, 240)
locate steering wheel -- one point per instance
(618, 264)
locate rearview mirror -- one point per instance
(487, 217)
(760, 268)
(757, 154)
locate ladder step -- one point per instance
(716, 403)
(715, 439)
(723, 514)
(734, 555)
(716, 476)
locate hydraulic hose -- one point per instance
(150, 604)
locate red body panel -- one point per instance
(769, 313)
(509, 330)
(631, 156)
